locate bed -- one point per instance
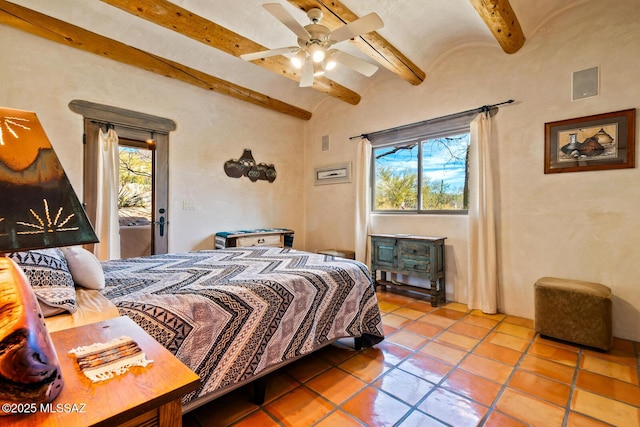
(236, 314)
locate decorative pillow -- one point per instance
(50, 279)
(85, 268)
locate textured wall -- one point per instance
(44, 77)
(576, 225)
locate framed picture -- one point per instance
(334, 174)
(603, 141)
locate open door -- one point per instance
(143, 141)
(137, 211)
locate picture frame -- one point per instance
(598, 142)
(333, 174)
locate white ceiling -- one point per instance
(423, 30)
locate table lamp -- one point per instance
(38, 209)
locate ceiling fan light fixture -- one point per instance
(298, 59)
(331, 62)
(318, 56)
(317, 53)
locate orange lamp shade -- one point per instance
(39, 208)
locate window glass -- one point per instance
(424, 175)
(444, 177)
(396, 177)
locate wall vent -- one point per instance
(325, 143)
(585, 83)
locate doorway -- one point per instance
(136, 205)
(143, 143)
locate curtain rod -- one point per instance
(484, 108)
(112, 125)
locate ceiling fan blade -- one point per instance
(307, 74)
(268, 53)
(281, 14)
(364, 25)
(357, 64)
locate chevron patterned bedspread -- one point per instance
(229, 314)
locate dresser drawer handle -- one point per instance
(260, 241)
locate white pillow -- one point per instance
(85, 268)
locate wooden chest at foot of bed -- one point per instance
(275, 237)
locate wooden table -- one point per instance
(150, 396)
(405, 254)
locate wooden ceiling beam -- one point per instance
(372, 44)
(176, 18)
(502, 22)
(62, 32)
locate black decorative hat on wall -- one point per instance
(246, 166)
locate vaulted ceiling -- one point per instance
(200, 41)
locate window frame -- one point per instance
(419, 141)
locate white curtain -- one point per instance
(363, 201)
(107, 225)
(482, 290)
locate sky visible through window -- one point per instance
(438, 162)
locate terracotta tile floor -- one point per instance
(444, 366)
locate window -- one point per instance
(422, 167)
(427, 174)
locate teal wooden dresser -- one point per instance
(417, 256)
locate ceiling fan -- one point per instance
(314, 54)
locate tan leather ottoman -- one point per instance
(575, 311)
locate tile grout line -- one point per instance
(413, 352)
(454, 367)
(439, 384)
(574, 380)
(416, 351)
(263, 407)
(491, 407)
(339, 407)
(503, 387)
(303, 384)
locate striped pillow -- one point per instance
(50, 279)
